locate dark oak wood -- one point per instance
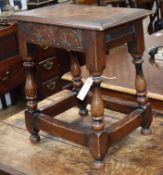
(61, 105)
(119, 105)
(58, 128)
(50, 65)
(77, 28)
(77, 82)
(11, 69)
(31, 4)
(11, 74)
(118, 130)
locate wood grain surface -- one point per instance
(84, 16)
(135, 154)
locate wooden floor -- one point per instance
(134, 155)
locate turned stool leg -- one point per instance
(77, 83)
(141, 91)
(98, 140)
(31, 96)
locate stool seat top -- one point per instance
(81, 16)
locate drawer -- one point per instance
(48, 68)
(9, 46)
(40, 53)
(8, 41)
(50, 87)
(45, 52)
(11, 74)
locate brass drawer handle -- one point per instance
(5, 76)
(51, 85)
(45, 47)
(47, 65)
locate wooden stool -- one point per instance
(77, 28)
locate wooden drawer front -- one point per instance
(47, 88)
(8, 46)
(50, 87)
(40, 53)
(11, 74)
(45, 52)
(48, 68)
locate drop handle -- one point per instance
(48, 65)
(45, 47)
(51, 85)
(5, 77)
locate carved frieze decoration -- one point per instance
(48, 35)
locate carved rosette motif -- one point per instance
(67, 38)
(48, 35)
(37, 34)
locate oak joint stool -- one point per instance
(78, 28)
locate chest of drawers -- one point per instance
(49, 68)
(11, 69)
